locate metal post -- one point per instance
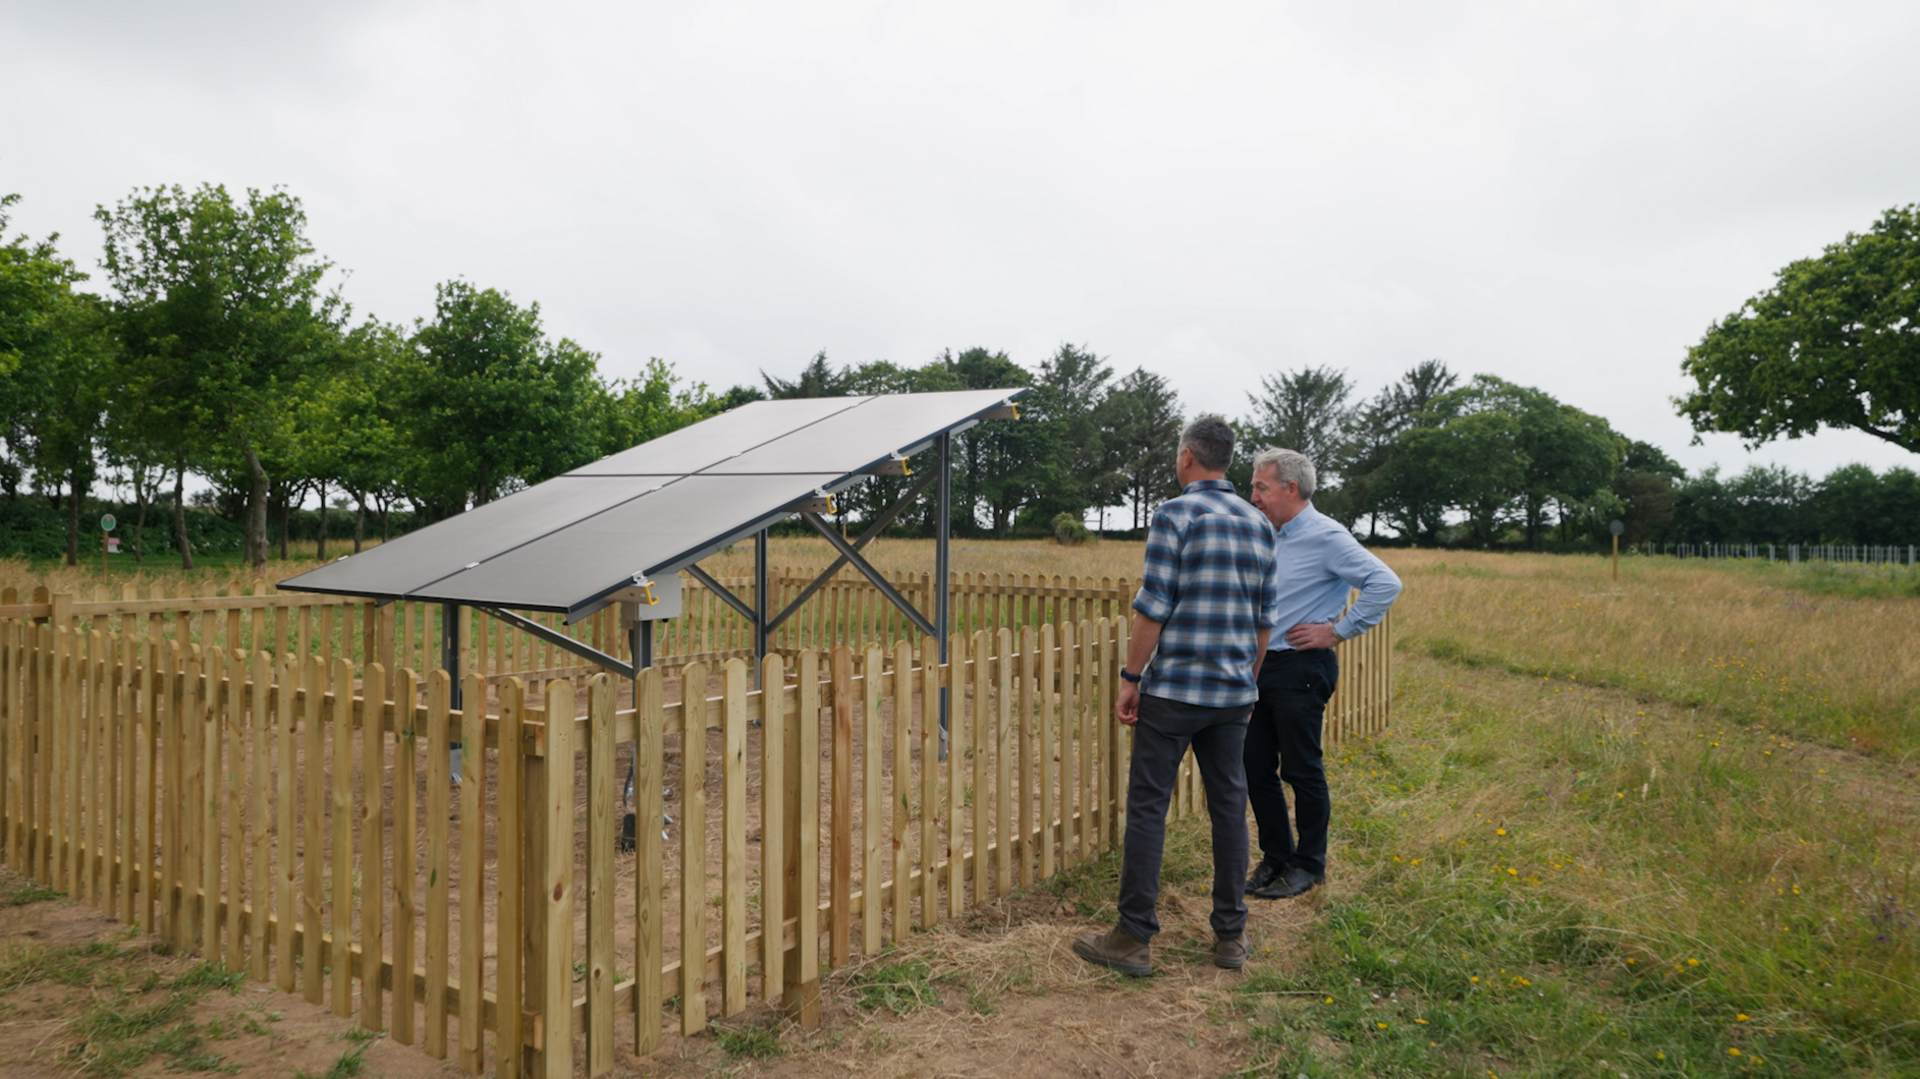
(942, 571)
(450, 619)
(759, 604)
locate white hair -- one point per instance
(1289, 466)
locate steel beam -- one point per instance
(560, 640)
(849, 554)
(725, 593)
(879, 525)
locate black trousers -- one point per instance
(1160, 740)
(1283, 747)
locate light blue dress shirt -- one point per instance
(1317, 562)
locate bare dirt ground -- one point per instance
(1001, 993)
(997, 993)
(81, 994)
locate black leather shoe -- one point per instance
(1292, 881)
(1264, 874)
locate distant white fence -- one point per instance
(1844, 554)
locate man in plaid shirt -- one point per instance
(1206, 606)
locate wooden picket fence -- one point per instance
(254, 616)
(296, 818)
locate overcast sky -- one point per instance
(1564, 195)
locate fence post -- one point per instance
(841, 829)
(550, 874)
(600, 844)
(801, 995)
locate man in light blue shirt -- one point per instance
(1317, 563)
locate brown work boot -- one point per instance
(1230, 954)
(1117, 950)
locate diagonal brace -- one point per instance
(560, 640)
(723, 592)
(878, 526)
(879, 580)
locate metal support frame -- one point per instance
(726, 594)
(849, 554)
(760, 627)
(451, 623)
(450, 649)
(560, 640)
(879, 525)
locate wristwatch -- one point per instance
(1129, 675)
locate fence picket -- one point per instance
(341, 857)
(872, 830)
(693, 849)
(473, 881)
(648, 909)
(840, 828)
(373, 761)
(509, 795)
(406, 756)
(556, 885)
(774, 841)
(733, 841)
(900, 681)
(285, 766)
(312, 858)
(600, 844)
(930, 692)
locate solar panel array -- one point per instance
(565, 544)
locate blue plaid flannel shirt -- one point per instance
(1209, 582)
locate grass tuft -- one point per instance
(747, 1042)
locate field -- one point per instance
(1671, 828)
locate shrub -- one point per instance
(1068, 531)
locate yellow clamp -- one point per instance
(645, 584)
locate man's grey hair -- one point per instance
(1290, 466)
(1211, 440)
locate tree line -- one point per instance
(221, 353)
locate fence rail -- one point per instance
(295, 816)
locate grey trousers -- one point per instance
(1160, 740)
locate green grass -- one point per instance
(124, 1020)
(30, 893)
(1852, 580)
(900, 987)
(1531, 883)
(746, 1042)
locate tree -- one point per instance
(55, 360)
(1069, 397)
(652, 405)
(1002, 465)
(1834, 343)
(221, 310)
(816, 379)
(1305, 410)
(1377, 427)
(1469, 460)
(1142, 416)
(1565, 455)
(497, 405)
(1644, 485)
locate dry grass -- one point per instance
(1751, 646)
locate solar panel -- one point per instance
(651, 510)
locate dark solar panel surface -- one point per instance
(650, 509)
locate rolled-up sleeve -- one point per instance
(1160, 574)
(1379, 586)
